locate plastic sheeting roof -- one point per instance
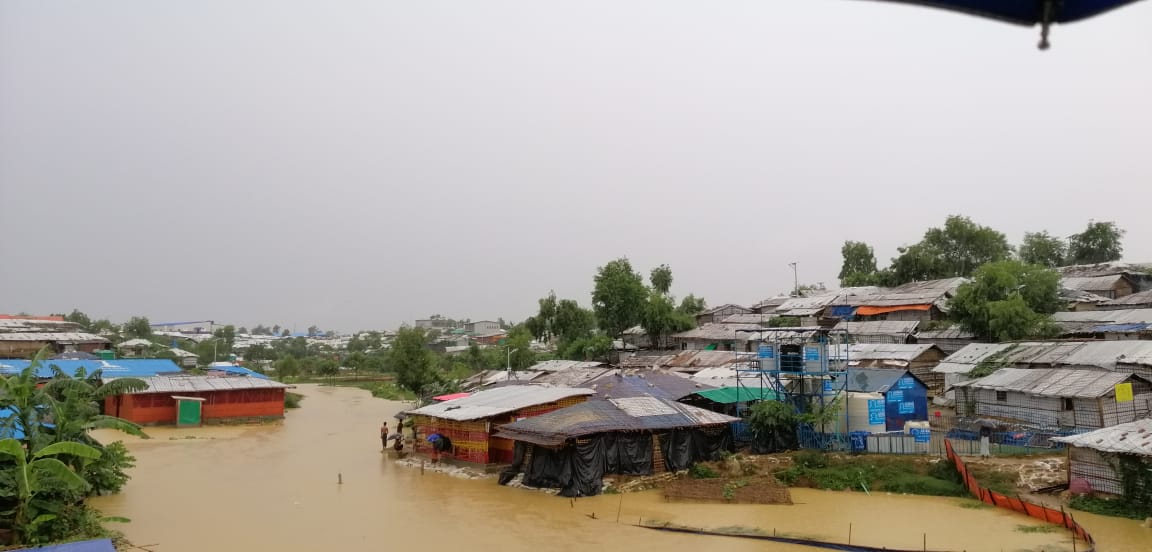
(72, 337)
(1052, 382)
(236, 369)
(501, 400)
(558, 365)
(650, 383)
(627, 414)
(729, 395)
(1128, 438)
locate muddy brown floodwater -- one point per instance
(274, 487)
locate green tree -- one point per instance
(661, 278)
(618, 296)
(242, 330)
(313, 331)
(103, 326)
(1098, 243)
(1008, 300)
(285, 333)
(80, 318)
(596, 347)
(276, 329)
(412, 361)
(287, 367)
(36, 472)
(957, 249)
(572, 321)
(859, 264)
(692, 305)
(475, 358)
(519, 344)
(261, 329)
(1043, 249)
(138, 327)
(661, 319)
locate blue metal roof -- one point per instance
(99, 545)
(119, 368)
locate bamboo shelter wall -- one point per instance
(472, 440)
(1090, 465)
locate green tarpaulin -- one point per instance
(729, 395)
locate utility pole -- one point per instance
(795, 280)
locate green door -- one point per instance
(188, 413)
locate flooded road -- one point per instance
(275, 487)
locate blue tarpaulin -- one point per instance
(842, 311)
(1119, 328)
(99, 545)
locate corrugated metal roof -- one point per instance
(1103, 269)
(122, 367)
(1143, 298)
(8, 325)
(1095, 354)
(1052, 382)
(748, 318)
(875, 380)
(573, 377)
(878, 327)
(1081, 296)
(601, 416)
(720, 332)
(645, 360)
(1128, 438)
(653, 383)
(715, 310)
(501, 400)
(558, 365)
(890, 351)
(951, 332)
(194, 384)
(58, 337)
(131, 343)
(1118, 316)
(1092, 283)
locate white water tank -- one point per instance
(857, 412)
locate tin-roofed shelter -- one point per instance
(1092, 456)
(879, 331)
(919, 358)
(573, 448)
(1052, 398)
(220, 398)
(469, 422)
(643, 383)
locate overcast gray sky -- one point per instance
(358, 164)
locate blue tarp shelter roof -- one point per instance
(842, 311)
(99, 545)
(1119, 328)
(120, 368)
(236, 369)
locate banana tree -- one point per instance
(35, 472)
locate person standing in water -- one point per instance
(384, 437)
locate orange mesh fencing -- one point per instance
(1058, 517)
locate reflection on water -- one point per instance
(275, 488)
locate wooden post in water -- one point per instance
(620, 507)
(925, 542)
(339, 479)
(421, 467)
(849, 533)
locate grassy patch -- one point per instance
(1105, 507)
(895, 474)
(702, 471)
(1003, 482)
(292, 400)
(1037, 528)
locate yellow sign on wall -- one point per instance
(1123, 392)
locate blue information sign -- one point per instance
(895, 396)
(906, 383)
(766, 351)
(811, 353)
(875, 412)
(921, 435)
(907, 407)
